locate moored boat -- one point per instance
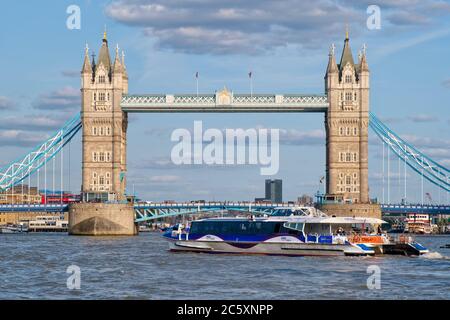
(13, 228)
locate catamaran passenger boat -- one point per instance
(300, 231)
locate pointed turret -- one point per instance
(332, 66)
(103, 56)
(125, 73)
(363, 62)
(117, 63)
(87, 67)
(347, 56)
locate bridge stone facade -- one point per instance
(106, 104)
(346, 123)
(104, 83)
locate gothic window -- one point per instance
(354, 157)
(102, 96)
(108, 175)
(348, 180)
(102, 157)
(101, 131)
(108, 97)
(108, 156)
(108, 131)
(94, 131)
(95, 96)
(348, 79)
(94, 157)
(101, 79)
(348, 96)
(355, 96)
(341, 156)
(102, 180)
(341, 131)
(347, 157)
(355, 131)
(348, 131)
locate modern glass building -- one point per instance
(274, 190)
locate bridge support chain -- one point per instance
(102, 219)
(368, 210)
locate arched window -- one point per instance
(94, 131)
(102, 180)
(348, 131)
(94, 157)
(102, 157)
(348, 180)
(341, 156)
(341, 131)
(347, 157)
(355, 131)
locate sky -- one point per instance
(284, 43)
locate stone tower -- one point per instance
(346, 123)
(103, 82)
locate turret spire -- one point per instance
(86, 64)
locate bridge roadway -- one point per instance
(225, 101)
(152, 211)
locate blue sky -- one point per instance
(284, 43)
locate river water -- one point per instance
(33, 266)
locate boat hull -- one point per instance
(269, 248)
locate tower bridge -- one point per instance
(103, 121)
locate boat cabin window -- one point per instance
(235, 227)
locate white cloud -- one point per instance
(18, 138)
(255, 26)
(67, 98)
(423, 118)
(165, 179)
(6, 103)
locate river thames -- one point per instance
(33, 266)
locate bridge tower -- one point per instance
(103, 82)
(346, 123)
(103, 210)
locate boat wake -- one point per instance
(434, 255)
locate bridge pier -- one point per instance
(102, 219)
(369, 210)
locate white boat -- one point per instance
(303, 231)
(13, 228)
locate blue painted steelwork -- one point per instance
(154, 211)
(416, 160)
(405, 209)
(20, 169)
